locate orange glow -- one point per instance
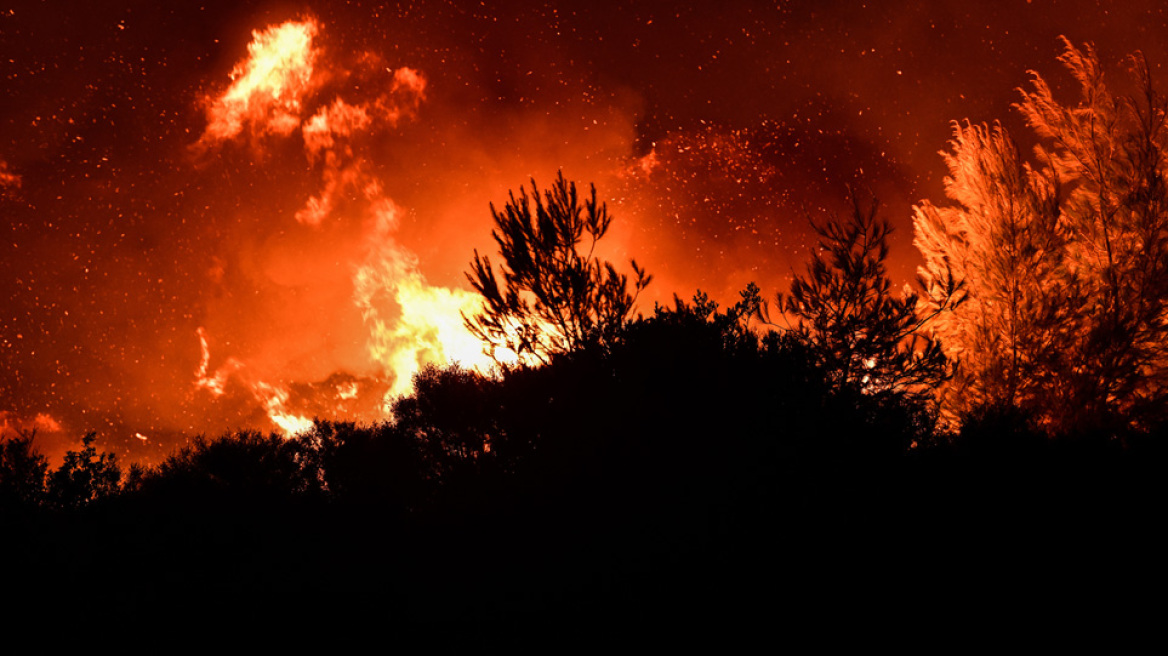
(427, 326)
(275, 400)
(215, 382)
(8, 179)
(199, 198)
(339, 119)
(45, 422)
(406, 322)
(42, 425)
(268, 88)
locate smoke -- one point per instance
(363, 282)
(224, 216)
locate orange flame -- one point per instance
(409, 323)
(268, 88)
(428, 326)
(275, 400)
(429, 329)
(216, 382)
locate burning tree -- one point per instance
(1065, 259)
(864, 337)
(555, 296)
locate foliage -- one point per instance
(244, 464)
(732, 325)
(373, 463)
(863, 337)
(555, 295)
(84, 476)
(1065, 259)
(22, 473)
(452, 416)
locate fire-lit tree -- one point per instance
(1065, 259)
(556, 295)
(863, 336)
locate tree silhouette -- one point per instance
(84, 476)
(556, 295)
(244, 465)
(1065, 260)
(22, 473)
(864, 338)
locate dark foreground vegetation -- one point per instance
(689, 469)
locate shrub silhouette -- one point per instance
(84, 477)
(22, 474)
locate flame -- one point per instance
(275, 400)
(427, 326)
(272, 397)
(268, 88)
(348, 391)
(216, 382)
(429, 329)
(339, 119)
(409, 323)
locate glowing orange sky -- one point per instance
(249, 214)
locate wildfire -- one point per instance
(214, 383)
(429, 328)
(268, 88)
(407, 322)
(275, 400)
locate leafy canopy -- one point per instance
(555, 294)
(863, 336)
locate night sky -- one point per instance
(176, 260)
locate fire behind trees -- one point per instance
(683, 460)
(556, 295)
(672, 473)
